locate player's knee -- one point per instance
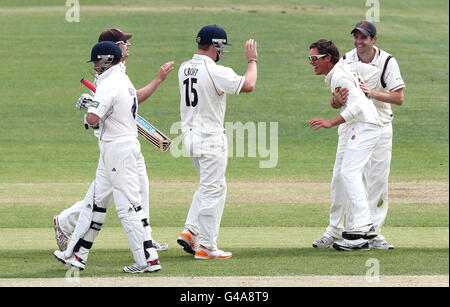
(98, 219)
(212, 191)
(347, 175)
(217, 187)
(142, 216)
(124, 207)
(98, 215)
(336, 179)
(125, 212)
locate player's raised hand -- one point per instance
(251, 52)
(164, 70)
(251, 74)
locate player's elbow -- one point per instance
(139, 96)
(399, 97)
(249, 82)
(400, 100)
(248, 88)
(92, 119)
(142, 95)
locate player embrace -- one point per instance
(384, 88)
(359, 132)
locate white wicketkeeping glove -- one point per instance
(84, 102)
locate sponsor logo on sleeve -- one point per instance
(95, 104)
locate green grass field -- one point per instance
(47, 159)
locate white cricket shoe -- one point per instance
(61, 239)
(346, 245)
(324, 242)
(188, 241)
(73, 260)
(152, 266)
(160, 246)
(365, 232)
(380, 244)
(204, 253)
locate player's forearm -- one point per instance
(148, 90)
(354, 106)
(337, 121)
(389, 97)
(318, 123)
(250, 78)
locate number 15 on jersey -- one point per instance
(190, 96)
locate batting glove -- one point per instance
(84, 102)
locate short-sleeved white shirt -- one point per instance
(392, 79)
(358, 108)
(203, 87)
(115, 102)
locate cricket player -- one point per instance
(64, 223)
(204, 86)
(385, 88)
(359, 132)
(113, 108)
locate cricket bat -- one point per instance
(145, 129)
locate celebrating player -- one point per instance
(64, 223)
(203, 88)
(385, 88)
(359, 132)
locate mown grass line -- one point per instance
(246, 261)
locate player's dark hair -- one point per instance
(115, 61)
(325, 46)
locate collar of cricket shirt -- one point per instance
(123, 67)
(329, 76)
(203, 57)
(108, 72)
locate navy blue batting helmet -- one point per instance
(105, 49)
(209, 34)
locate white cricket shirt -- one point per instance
(203, 87)
(392, 79)
(116, 104)
(359, 108)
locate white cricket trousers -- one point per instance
(210, 157)
(355, 146)
(117, 172)
(68, 218)
(376, 174)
